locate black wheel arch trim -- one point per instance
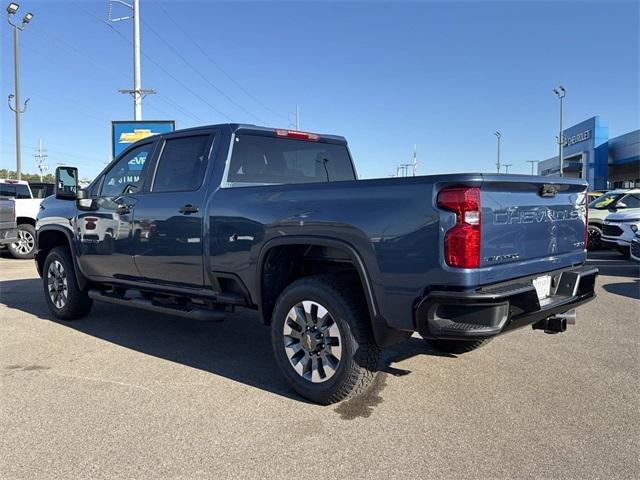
(80, 276)
(383, 334)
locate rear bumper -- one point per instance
(496, 309)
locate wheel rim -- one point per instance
(57, 284)
(593, 238)
(25, 242)
(312, 341)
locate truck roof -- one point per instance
(248, 128)
(13, 182)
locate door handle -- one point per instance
(188, 209)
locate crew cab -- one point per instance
(26, 210)
(197, 222)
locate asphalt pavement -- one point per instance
(130, 394)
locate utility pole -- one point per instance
(532, 162)
(498, 136)
(138, 93)
(405, 168)
(415, 159)
(40, 155)
(18, 109)
(506, 167)
(560, 92)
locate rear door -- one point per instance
(530, 225)
(168, 230)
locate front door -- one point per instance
(168, 229)
(104, 230)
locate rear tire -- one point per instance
(64, 297)
(322, 339)
(25, 247)
(456, 346)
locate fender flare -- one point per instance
(80, 277)
(383, 334)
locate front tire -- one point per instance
(594, 237)
(25, 247)
(64, 297)
(322, 339)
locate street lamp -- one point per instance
(532, 162)
(12, 8)
(560, 93)
(498, 136)
(506, 167)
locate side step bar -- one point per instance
(144, 304)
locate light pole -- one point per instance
(560, 92)
(12, 8)
(498, 136)
(532, 162)
(506, 167)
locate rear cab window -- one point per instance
(182, 164)
(262, 160)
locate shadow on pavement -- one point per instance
(629, 289)
(238, 348)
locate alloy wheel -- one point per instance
(57, 284)
(312, 341)
(25, 243)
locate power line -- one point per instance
(214, 62)
(158, 65)
(198, 72)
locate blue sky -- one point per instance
(442, 75)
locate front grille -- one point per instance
(611, 230)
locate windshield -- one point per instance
(604, 201)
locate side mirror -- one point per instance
(66, 187)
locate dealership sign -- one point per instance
(577, 138)
(126, 132)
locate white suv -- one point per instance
(619, 229)
(27, 209)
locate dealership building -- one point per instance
(590, 154)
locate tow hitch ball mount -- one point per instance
(557, 323)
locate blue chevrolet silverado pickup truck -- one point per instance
(198, 222)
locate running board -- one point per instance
(144, 304)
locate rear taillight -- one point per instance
(312, 137)
(462, 241)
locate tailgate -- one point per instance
(7, 212)
(532, 221)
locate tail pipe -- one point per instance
(557, 323)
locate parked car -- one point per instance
(634, 250)
(26, 209)
(8, 226)
(611, 202)
(41, 189)
(593, 195)
(619, 229)
(212, 218)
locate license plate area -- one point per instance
(542, 285)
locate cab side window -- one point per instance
(126, 174)
(182, 165)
